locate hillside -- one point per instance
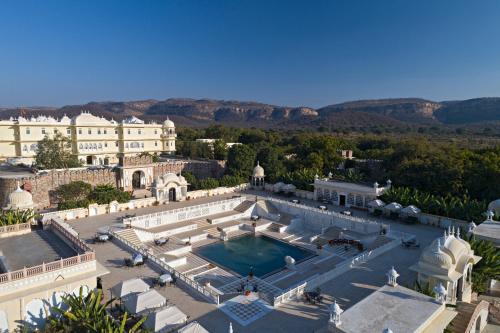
(401, 112)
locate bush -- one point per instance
(71, 204)
(104, 194)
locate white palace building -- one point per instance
(95, 140)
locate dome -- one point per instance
(20, 199)
(168, 123)
(456, 247)
(86, 118)
(258, 171)
(436, 257)
(495, 206)
(335, 308)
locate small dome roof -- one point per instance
(258, 171)
(437, 257)
(20, 199)
(335, 308)
(168, 123)
(392, 273)
(495, 206)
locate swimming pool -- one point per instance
(263, 255)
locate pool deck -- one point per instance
(295, 315)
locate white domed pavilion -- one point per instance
(448, 260)
(20, 199)
(258, 176)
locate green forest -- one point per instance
(458, 171)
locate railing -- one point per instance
(326, 212)
(317, 280)
(15, 227)
(68, 235)
(179, 210)
(209, 294)
(27, 272)
(483, 305)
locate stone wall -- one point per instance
(44, 184)
(201, 169)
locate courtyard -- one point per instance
(347, 288)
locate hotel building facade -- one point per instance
(95, 140)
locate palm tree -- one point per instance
(87, 314)
(11, 217)
(489, 266)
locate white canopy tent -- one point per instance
(165, 320)
(128, 287)
(193, 327)
(376, 203)
(410, 210)
(137, 303)
(393, 207)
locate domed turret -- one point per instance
(437, 257)
(495, 206)
(258, 171)
(258, 176)
(168, 123)
(20, 199)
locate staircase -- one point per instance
(378, 242)
(130, 236)
(244, 206)
(460, 323)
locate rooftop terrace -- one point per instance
(31, 249)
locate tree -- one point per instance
(268, 158)
(240, 161)
(220, 150)
(488, 267)
(104, 194)
(74, 191)
(55, 153)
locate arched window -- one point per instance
(81, 146)
(100, 145)
(86, 146)
(25, 148)
(142, 144)
(126, 145)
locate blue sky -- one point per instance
(293, 53)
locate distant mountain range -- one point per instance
(365, 113)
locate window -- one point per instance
(116, 131)
(81, 145)
(43, 130)
(68, 131)
(128, 131)
(99, 131)
(79, 131)
(90, 131)
(25, 148)
(105, 145)
(156, 144)
(28, 131)
(126, 145)
(116, 144)
(100, 145)
(142, 144)
(34, 147)
(55, 130)
(105, 131)
(86, 146)
(156, 131)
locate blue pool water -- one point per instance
(264, 255)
